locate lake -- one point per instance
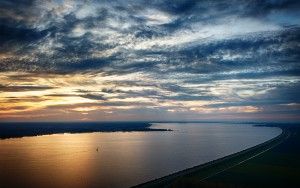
(121, 159)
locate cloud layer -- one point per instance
(157, 60)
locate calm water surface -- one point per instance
(123, 159)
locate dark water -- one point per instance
(122, 159)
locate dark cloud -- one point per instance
(93, 97)
(20, 35)
(129, 104)
(16, 12)
(10, 88)
(280, 99)
(23, 99)
(61, 95)
(185, 97)
(261, 8)
(14, 108)
(177, 6)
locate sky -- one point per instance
(141, 60)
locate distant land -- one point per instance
(21, 129)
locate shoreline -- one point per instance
(22, 129)
(213, 165)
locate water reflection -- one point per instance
(55, 161)
(123, 159)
